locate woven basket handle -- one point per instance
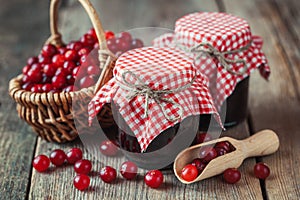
(105, 56)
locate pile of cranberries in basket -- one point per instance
(56, 68)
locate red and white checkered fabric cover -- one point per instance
(226, 33)
(160, 69)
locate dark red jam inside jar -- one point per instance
(129, 143)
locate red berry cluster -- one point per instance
(122, 43)
(56, 68)
(83, 167)
(207, 153)
(74, 156)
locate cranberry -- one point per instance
(87, 81)
(108, 174)
(83, 59)
(36, 67)
(36, 88)
(189, 172)
(81, 181)
(49, 50)
(74, 155)
(220, 152)
(83, 51)
(108, 148)
(261, 170)
(207, 154)
(69, 66)
(79, 72)
(71, 55)
(232, 175)
(111, 45)
(109, 34)
(136, 43)
(26, 69)
(34, 76)
(128, 170)
(69, 88)
(203, 137)
(59, 81)
(41, 163)
(92, 32)
(32, 60)
(47, 87)
(62, 50)
(58, 60)
(154, 178)
(123, 45)
(58, 156)
(125, 36)
(83, 166)
(27, 86)
(93, 70)
(49, 70)
(75, 45)
(223, 145)
(88, 40)
(199, 164)
(44, 60)
(70, 79)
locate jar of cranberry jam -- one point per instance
(223, 49)
(157, 99)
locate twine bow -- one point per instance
(205, 47)
(142, 89)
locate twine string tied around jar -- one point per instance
(142, 89)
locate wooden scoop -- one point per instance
(262, 143)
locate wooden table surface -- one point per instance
(273, 104)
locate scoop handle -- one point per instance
(260, 144)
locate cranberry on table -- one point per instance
(189, 172)
(261, 170)
(108, 174)
(128, 170)
(232, 175)
(81, 181)
(108, 148)
(83, 166)
(41, 163)
(154, 178)
(58, 157)
(74, 155)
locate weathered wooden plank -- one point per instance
(274, 104)
(21, 34)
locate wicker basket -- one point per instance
(51, 114)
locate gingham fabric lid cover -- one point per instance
(158, 69)
(225, 33)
